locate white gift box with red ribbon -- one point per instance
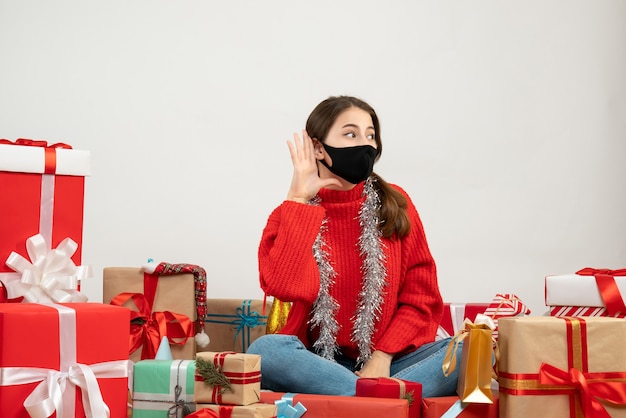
(588, 288)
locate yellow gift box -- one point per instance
(227, 378)
(562, 367)
(256, 410)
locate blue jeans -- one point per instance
(288, 366)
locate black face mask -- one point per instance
(353, 164)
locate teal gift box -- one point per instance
(163, 388)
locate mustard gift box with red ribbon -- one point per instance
(42, 192)
(588, 292)
(71, 359)
(227, 378)
(562, 367)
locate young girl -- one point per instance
(349, 251)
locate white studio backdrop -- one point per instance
(505, 122)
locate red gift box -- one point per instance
(437, 407)
(42, 192)
(385, 387)
(75, 352)
(324, 406)
(454, 315)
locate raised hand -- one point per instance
(305, 182)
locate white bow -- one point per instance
(49, 276)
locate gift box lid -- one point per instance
(26, 156)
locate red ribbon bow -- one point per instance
(608, 288)
(590, 387)
(153, 326)
(4, 296)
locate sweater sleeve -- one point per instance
(420, 305)
(287, 267)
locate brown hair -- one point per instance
(393, 218)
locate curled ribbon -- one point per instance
(148, 328)
(49, 276)
(449, 360)
(588, 388)
(609, 291)
(286, 409)
(34, 143)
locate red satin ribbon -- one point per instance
(50, 157)
(203, 413)
(156, 325)
(608, 288)
(234, 378)
(589, 386)
(4, 296)
(225, 411)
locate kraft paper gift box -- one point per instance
(163, 388)
(42, 193)
(255, 410)
(588, 288)
(40, 345)
(232, 324)
(325, 406)
(227, 378)
(174, 294)
(453, 407)
(562, 367)
(386, 387)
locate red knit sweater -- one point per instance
(412, 304)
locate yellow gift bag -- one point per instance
(477, 356)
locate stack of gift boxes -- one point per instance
(53, 360)
(54, 357)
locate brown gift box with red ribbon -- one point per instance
(171, 313)
(562, 367)
(386, 387)
(241, 371)
(42, 192)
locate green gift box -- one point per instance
(163, 388)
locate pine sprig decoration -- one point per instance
(409, 396)
(212, 375)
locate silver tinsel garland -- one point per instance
(374, 279)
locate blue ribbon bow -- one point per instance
(244, 320)
(285, 408)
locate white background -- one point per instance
(504, 120)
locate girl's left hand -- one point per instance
(377, 366)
